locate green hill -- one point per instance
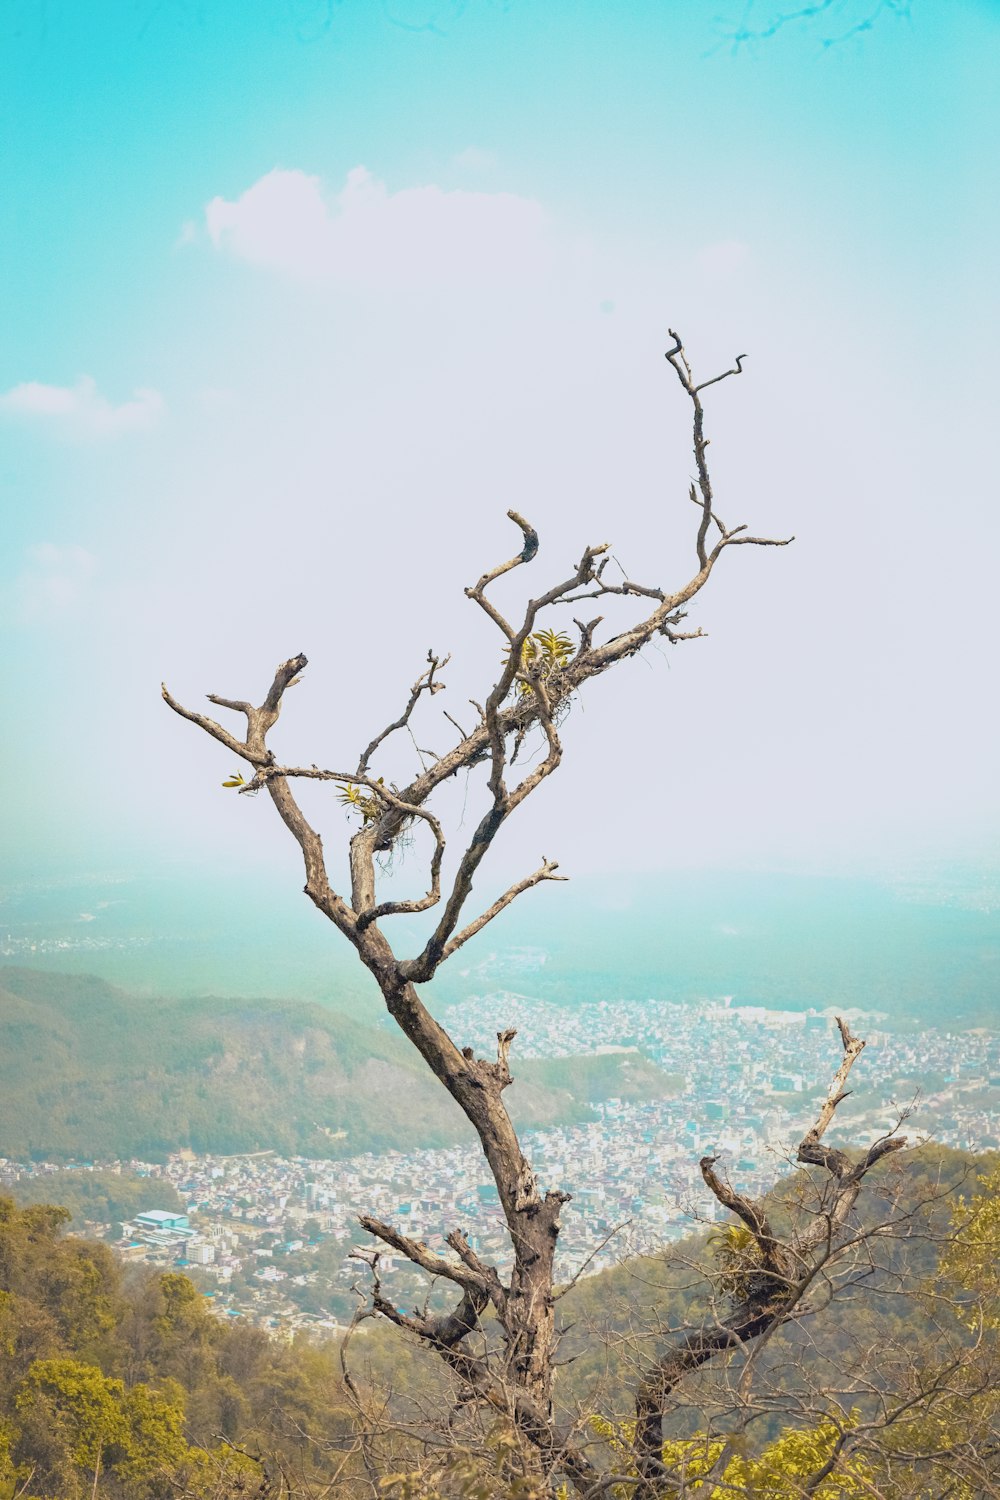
(87, 1071)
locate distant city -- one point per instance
(269, 1237)
(19, 947)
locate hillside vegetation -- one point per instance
(128, 1387)
(135, 1390)
(87, 1071)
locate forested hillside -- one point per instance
(130, 1388)
(94, 1197)
(89, 1071)
(136, 1390)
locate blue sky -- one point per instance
(298, 298)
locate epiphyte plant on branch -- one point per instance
(542, 669)
(543, 653)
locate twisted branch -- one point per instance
(425, 683)
(785, 1270)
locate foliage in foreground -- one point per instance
(130, 1389)
(133, 1390)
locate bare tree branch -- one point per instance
(425, 683)
(546, 871)
(238, 747)
(530, 692)
(417, 1252)
(774, 1287)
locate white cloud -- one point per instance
(369, 235)
(81, 411)
(52, 581)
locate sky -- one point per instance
(298, 298)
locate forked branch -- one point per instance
(428, 683)
(778, 1273)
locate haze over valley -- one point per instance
(692, 1013)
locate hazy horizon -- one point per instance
(918, 948)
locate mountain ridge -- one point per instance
(88, 1071)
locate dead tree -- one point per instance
(542, 673)
(777, 1273)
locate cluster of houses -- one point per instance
(252, 1225)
